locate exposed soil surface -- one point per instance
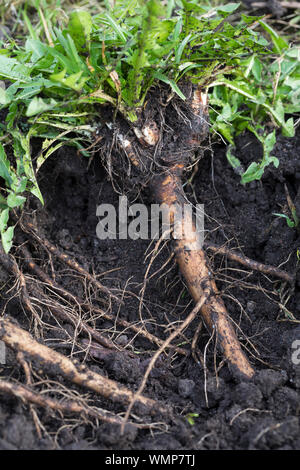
(228, 414)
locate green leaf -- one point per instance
(48, 145)
(289, 128)
(14, 200)
(190, 418)
(254, 66)
(22, 152)
(180, 49)
(5, 166)
(39, 105)
(169, 81)
(250, 19)
(19, 184)
(226, 130)
(256, 170)
(257, 69)
(249, 63)
(274, 160)
(116, 27)
(238, 87)
(64, 61)
(170, 7)
(80, 27)
(234, 162)
(268, 142)
(6, 233)
(4, 98)
(289, 222)
(293, 82)
(7, 238)
(73, 81)
(230, 8)
(30, 28)
(226, 113)
(193, 6)
(4, 216)
(13, 70)
(253, 172)
(28, 92)
(37, 48)
(293, 52)
(279, 43)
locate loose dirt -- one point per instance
(227, 413)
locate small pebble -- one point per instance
(250, 306)
(122, 340)
(185, 387)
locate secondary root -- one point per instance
(205, 297)
(66, 407)
(29, 228)
(85, 306)
(29, 350)
(56, 363)
(250, 263)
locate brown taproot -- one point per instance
(52, 361)
(193, 265)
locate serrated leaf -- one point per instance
(28, 92)
(13, 70)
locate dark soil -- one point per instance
(229, 413)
